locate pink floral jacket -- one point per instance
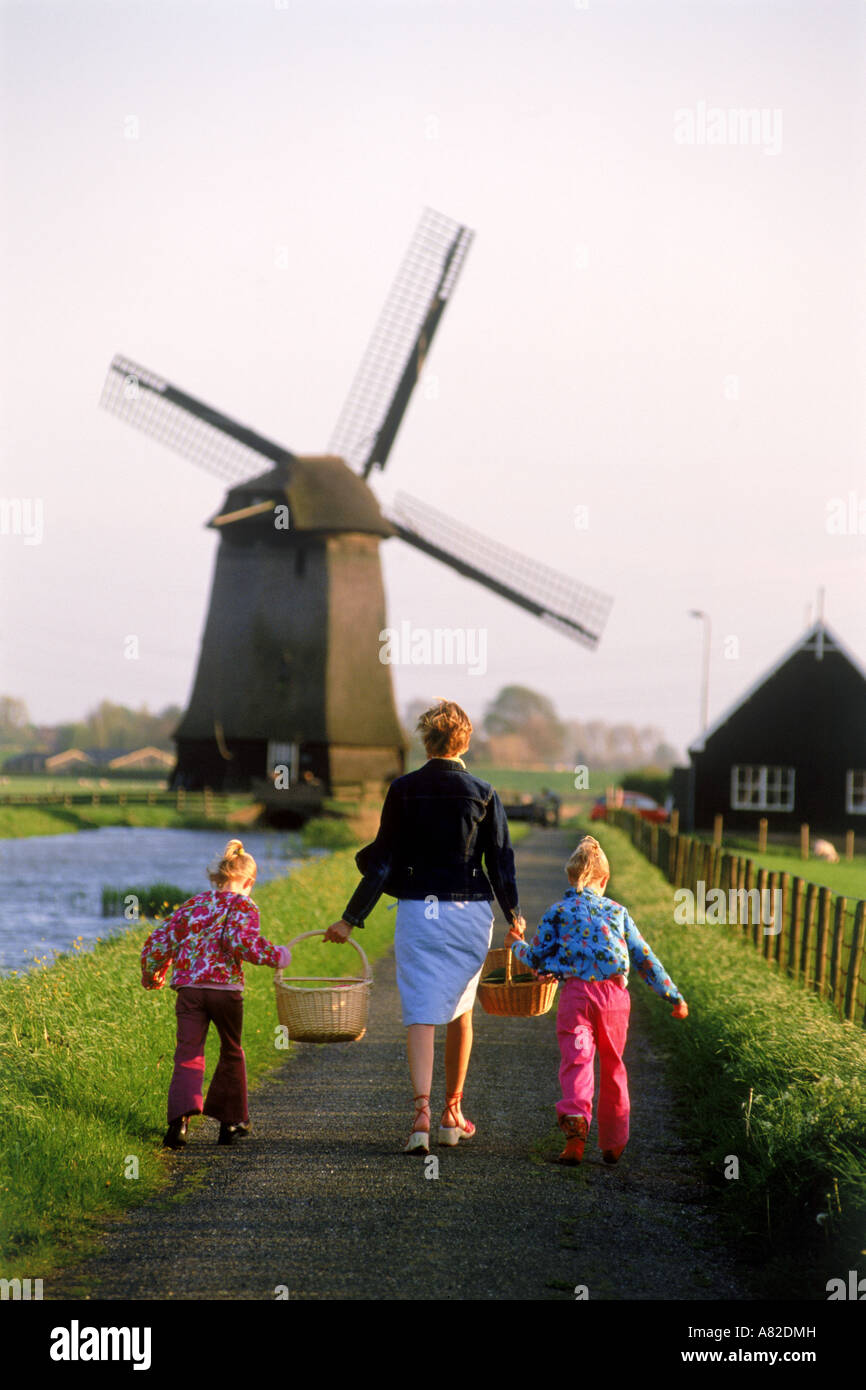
(207, 938)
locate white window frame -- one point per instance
(855, 791)
(756, 787)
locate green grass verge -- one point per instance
(764, 1072)
(17, 822)
(86, 1058)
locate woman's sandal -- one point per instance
(452, 1134)
(419, 1139)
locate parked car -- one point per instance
(646, 808)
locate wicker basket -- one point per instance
(513, 998)
(322, 1008)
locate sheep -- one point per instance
(822, 849)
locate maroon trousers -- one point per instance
(226, 1099)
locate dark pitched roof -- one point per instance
(818, 639)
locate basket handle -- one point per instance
(368, 974)
(508, 959)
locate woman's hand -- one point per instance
(516, 931)
(680, 1010)
(339, 931)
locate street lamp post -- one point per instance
(705, 681)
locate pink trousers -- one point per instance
(594, 1018)
(226, 1099)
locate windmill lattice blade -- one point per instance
(574, 609)
(193, 429)
(381, 390)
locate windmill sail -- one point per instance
(574, 609)
(195, 430)
(401, 340)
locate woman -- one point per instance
(437, 826)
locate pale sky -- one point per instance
(670, 334)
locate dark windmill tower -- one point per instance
(289, 671)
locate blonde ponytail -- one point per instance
(233, 863)
(588, 863)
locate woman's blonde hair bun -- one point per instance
(588, 862)
(444, 728)
(234, 862)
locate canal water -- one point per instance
(51, 885)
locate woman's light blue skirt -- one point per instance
(440, 949)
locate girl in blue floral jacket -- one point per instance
(588, 941)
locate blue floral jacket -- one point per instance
(588, 937)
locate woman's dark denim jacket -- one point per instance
(437, 826)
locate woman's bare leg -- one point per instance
(419, 1045)
(458, 1047)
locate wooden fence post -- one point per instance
(757, 928)
(849, 844)
(675, 821)
(768, 918)
(727, 874)
(747, 871)
(673, 851)
(718, 822)
(691, 865)
(784, 890)
(804, 841)
(835, 995)
(682, 860)
(794, 934)
(855, 957)
(762, 835)
(821, 940)
(808, 923)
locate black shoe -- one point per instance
(227, 1134)
(175, 1135)
(243, 1131)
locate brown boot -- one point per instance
(612, 1156)
(575, 1129)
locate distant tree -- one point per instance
(14, 719)
(116, 726)
(519, 710)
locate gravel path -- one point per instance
(320, 1202)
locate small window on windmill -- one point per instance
(762, 788)
(283, 763)
(855, 792)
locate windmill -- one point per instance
(289, 673)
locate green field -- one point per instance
(529, 781)
(40, 785)
(847, 878)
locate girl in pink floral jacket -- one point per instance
(207, 938)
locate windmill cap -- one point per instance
(322, 494)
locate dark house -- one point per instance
(793, 749)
